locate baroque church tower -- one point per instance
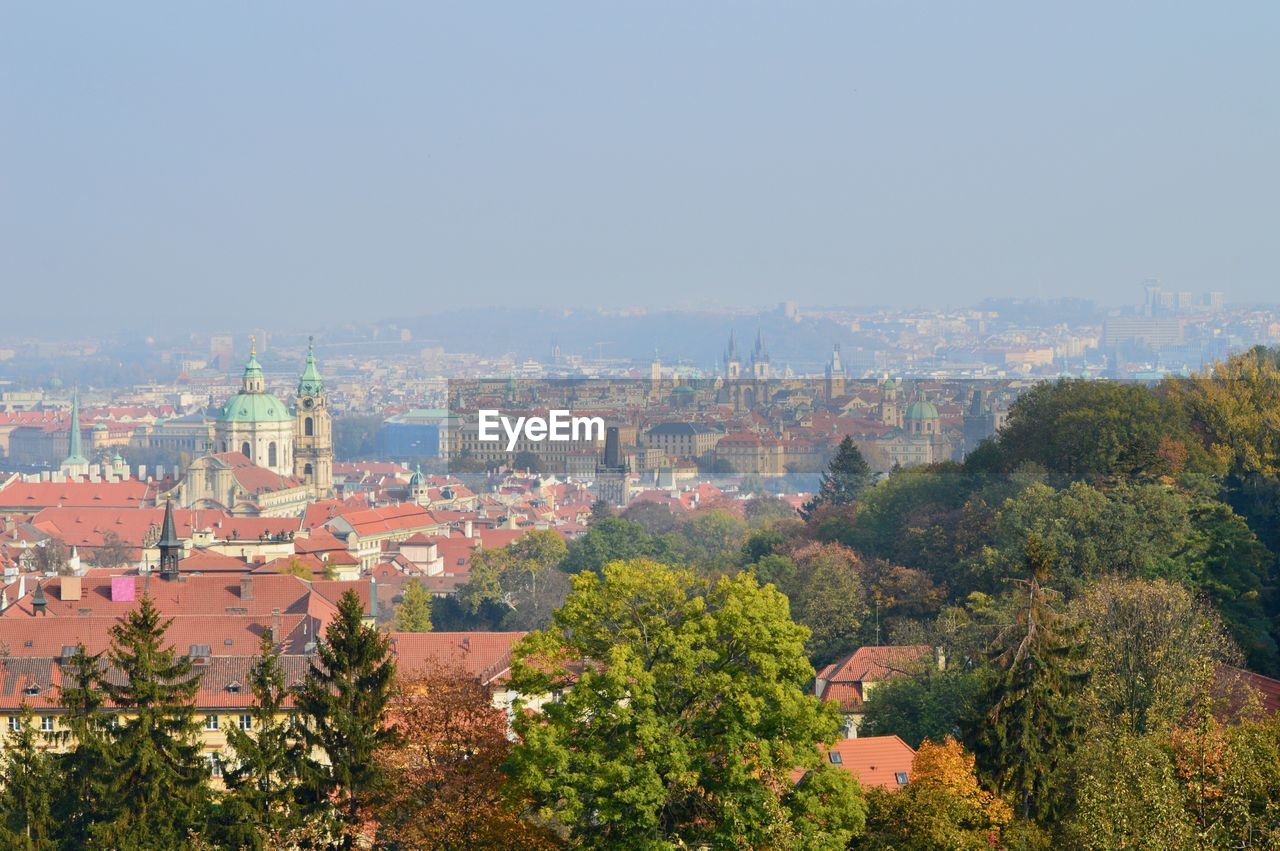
(313, 431)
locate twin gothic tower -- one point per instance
(262, 428)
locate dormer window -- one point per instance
(233, 688)
(31, 690)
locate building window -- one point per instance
(835, 758)
(14, 723)
(244, 449)
(46, 723)
(215, 764)
(271, 454)
(901, 777)
(211, 722)
(246, 722)
(306, 471)
(308, 428)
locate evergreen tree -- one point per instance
(86, 766)
(414, 613)
(26, 770)
(1035, 720)
(846, 478)
(342, 703)
(159, 783)
(261, 776)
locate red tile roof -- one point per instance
(80, 493)
(191, 595)
(842, 681)
(485, 655)
(255, 479)
(875, 760)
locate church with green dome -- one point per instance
(293, 442)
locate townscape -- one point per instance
(672, 427)
(901, 575)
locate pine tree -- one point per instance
(261, 777)
(159, 785)
(342, 703)
(1035, 721)
(28, 777)
(85, 767)
(845, 479)
(414, 613)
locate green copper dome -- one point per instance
(254, 408)
(253, 404)
(922, 411)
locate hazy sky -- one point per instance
(218, 159)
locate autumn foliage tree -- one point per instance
(444, 776)
(943, 805)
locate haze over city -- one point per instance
(308, 166)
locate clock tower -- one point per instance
(313, 431)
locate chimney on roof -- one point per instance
(70, 588)
(4, 599)
(467, 528)
(22, 586)
(246, 588)
(373, 597)
(277, 628)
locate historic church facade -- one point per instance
(266, 458)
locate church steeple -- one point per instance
(75, 463)
(313, 430)
(171, 548)
(310, 384)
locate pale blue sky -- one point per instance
(382, 159)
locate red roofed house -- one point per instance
(849, 681)
(484, 655)
(365, 531)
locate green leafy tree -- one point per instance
(1127, 795)
(825, 810)
(342, 700)
(1095, 431)
(414, 612)
(523, 580)
(261, 774)
(159, 790)
(612, 539)
(1152, 651)
(86, 765)
(828, 597)
(846, 478)
(710, 541)
(28, 777)
(929, 704)
(683, 710)
(1034, 722)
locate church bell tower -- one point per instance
(313, 431)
